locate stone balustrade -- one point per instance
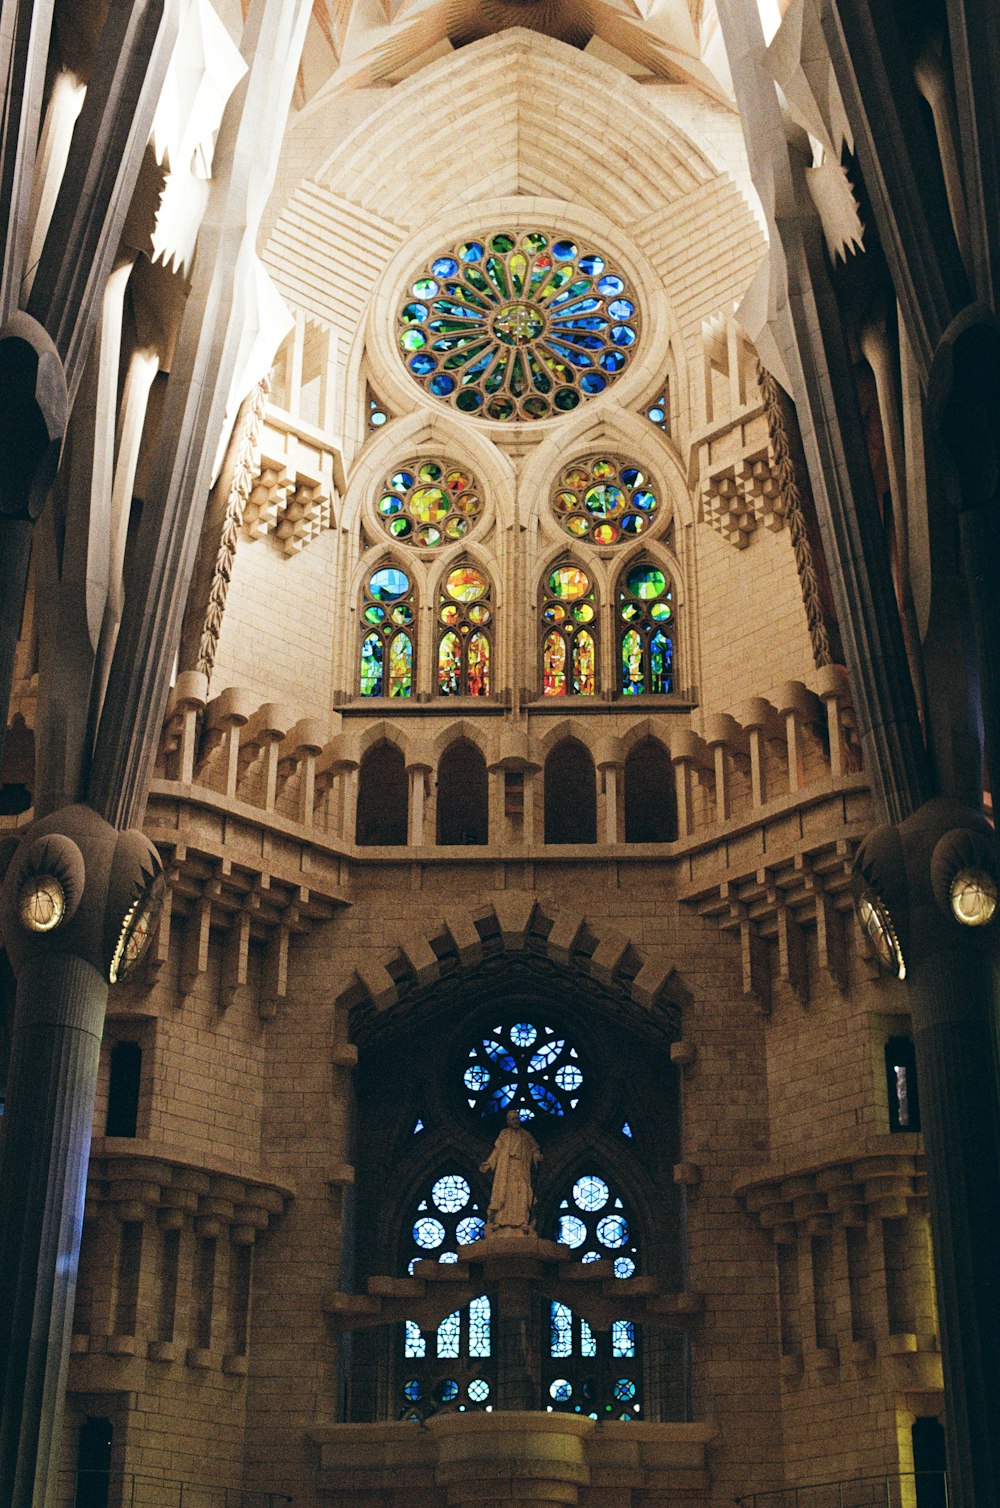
(254, 810)
(305, 770)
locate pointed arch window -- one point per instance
(568, 632)
(465, 633)
(388, 624)
(645, 630)
(451, 1364)
(586, 1371)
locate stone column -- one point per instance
(948, 943)
(71, 891)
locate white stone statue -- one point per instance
(514, 1157)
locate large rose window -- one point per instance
(519, 325)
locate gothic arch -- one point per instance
(426, 433)
(658, 161)
(497, 214)
(516, 923)
(616, 429)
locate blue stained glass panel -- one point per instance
(612, 1230)
(415, 1345)
(622, 1338)
(428, 1233)
(479, 1327)
(449, 1334)
(591, 1192)
(561, 1331)
(571, 1230)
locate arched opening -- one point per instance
(451, 1073)
(462, 804)
(901, 1084)
(929, 1462)
(382, 798)
(570, 795)
(93, 1464)
(123, 1089)
(650, 802)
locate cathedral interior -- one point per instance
(499, 564)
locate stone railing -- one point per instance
(253, 809)
(454, 1459)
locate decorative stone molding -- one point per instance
(734, 499)
(884, 1176)
(514, 922)
(793, 483)
(542, 1267)
(293, 485)
(245, 464)
(140, 1180)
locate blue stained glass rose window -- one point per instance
(524, 1066)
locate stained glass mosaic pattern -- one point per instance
(605, 500)
(429, 502)
(447, 1217)
(593, 1222)
(646, 646)
(517, 325)
(594, 1372)
(388, 618)
(445, 1363)
(569, 643)
(532, 1069)
(465, 645)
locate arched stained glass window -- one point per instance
(645, 630)
(588, 1371)
(429, 502)
(388, 622)
(604, 500)
(523, 1066)
(569, 639)
(465, 642)
(449, 1365)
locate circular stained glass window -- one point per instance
(593, 1221)
(451, 1193)
(427, 503)
(603, 500)
(590, 1192)
(517, 326)
(428, 1233)
(524, 1067)
(612, 1230)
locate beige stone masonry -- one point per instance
(525, 1459)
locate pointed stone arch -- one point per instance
(416, 137)
(518, 923)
